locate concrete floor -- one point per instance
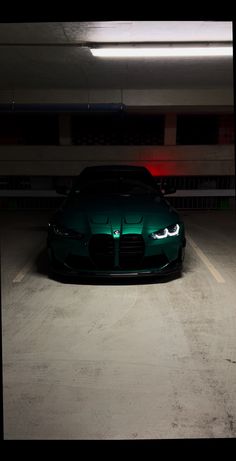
(129, 361)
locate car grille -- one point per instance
(131, 254)
(131, 251)
(102, 251)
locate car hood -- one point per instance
(126, 214)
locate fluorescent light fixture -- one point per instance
(161, 51)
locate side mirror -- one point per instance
(63, 190)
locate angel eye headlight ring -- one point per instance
(169, 231)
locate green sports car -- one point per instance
(115, 222)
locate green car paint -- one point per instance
(109, 235)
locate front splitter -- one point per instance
(170, 269)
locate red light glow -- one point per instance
(162, 169)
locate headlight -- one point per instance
(166, 232)
(64, 232)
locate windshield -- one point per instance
(108, 187)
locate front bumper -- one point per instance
(60, 269)
(159, 259)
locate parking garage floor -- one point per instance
(119, 361)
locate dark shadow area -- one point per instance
(31, 228)
(42, 262)
(37, 228)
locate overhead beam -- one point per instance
(144, 97)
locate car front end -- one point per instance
(116, 222)
(128, 250)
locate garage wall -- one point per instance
(164, 97)
(161, 160)
(167, 159)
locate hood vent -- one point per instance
(133, 219)
(99, 219)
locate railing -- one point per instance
(181, 199)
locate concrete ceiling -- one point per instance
(56, 55)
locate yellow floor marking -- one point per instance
(205, 260)
(29, 265)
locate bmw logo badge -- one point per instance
(116, 233)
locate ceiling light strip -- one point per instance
(155, 52)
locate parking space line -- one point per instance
(205, 260)
(29, 265)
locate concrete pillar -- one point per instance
(170, 130)
(65, 130)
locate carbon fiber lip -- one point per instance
(172, 268)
